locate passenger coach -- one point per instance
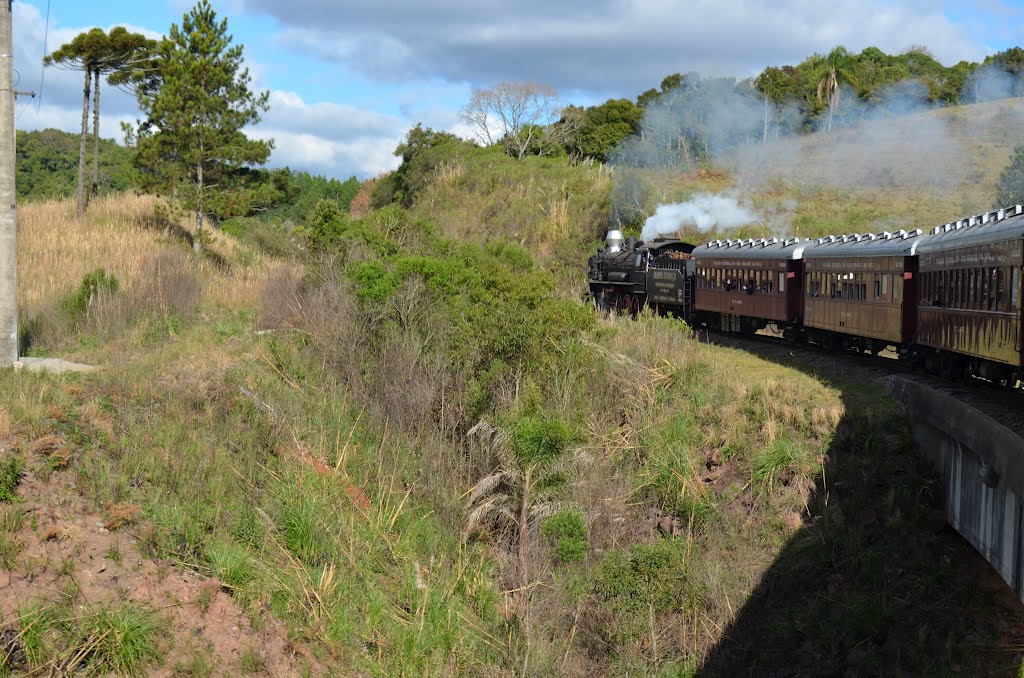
(860, 291)
(745, 285)
(970, 309)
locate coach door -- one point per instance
(793, 285)
(911, 297)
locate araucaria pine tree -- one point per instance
(191, 144)
(97, 54)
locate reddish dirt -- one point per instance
(64, 543)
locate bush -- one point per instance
(538, 440)
(325, 225)
(567, 532)
(12, 470)
(94, 285)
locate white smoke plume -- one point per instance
(704, 210)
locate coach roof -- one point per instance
(884, 244)
(752, 248)
(998, 226)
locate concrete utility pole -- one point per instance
(8, 214)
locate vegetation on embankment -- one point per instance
(393, 440)
(347, 449)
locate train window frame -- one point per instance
(782, 283)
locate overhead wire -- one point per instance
(42, 71)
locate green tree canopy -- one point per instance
(96, 54)
(192, 142)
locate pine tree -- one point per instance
(96, 54)
(192, 144)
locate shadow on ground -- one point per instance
(875, 583)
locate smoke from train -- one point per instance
(704, 210)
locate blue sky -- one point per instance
(348, 79)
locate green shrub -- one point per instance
(94, 284)
(537, 440)
(12, 470)
(567, 532)
(646, 579)
(324, 225)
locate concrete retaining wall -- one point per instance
(982, 467)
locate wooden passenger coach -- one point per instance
(745, 285)
(970, 305)
(859, 290)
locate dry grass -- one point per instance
(55, 250)
(121, 234)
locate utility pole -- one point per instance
(8, 213)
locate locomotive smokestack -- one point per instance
(614, 240)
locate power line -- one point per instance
(42, 71)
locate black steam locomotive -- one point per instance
(627, 275)
(949, 300)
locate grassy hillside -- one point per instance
(410, 449)
(909, 172)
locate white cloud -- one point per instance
(603, 46)
(363, 157)
(334, 139)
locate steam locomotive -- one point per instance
(948, 301)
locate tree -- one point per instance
(119, 50)
(1010, 186)
(778, 87)
(532, 470)
(80, 53)
(95, 53)
(512, 112)
(191, 143)
(834, 73)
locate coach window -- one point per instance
(878, 287)
(782, 282)
(897, 288)
(1014, 288)
(1001, 289)
(984, 289)
(992, 289)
